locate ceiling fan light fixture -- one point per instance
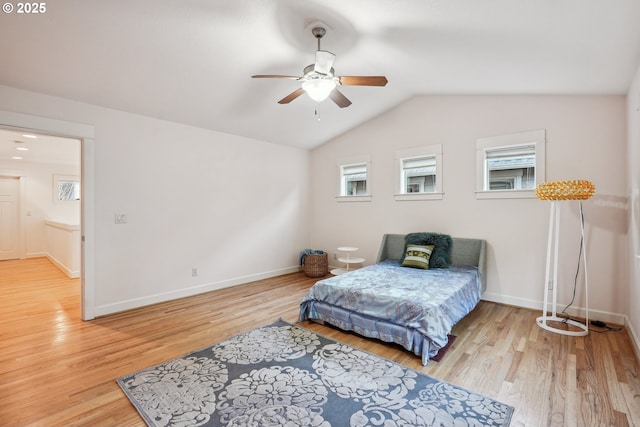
(319, 80)
(319, 89)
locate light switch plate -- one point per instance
(120, 218)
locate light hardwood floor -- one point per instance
(56, 370)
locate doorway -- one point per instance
(43, 221)
(85, 135)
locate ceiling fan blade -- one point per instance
(273, 76)
(341, 100)
(363, 80)
(293, 95)
(324, 62)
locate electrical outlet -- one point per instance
(194, 272)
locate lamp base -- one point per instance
(542, 322)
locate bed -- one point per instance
(412, 307)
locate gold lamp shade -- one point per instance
(565, 190)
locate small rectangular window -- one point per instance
(354, 184)
(66, 188)
(354, 180)
(419, 173)
(510, 166)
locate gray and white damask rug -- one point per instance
(286, 375)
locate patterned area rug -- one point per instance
(286, 375)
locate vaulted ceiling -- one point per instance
(190, 61)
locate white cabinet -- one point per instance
(347, 260)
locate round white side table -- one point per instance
(348, 260)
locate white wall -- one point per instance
(585, 140)
(633, 135)
(232, 207)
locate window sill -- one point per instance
(353, 198)
(506, 194)
(418, 196)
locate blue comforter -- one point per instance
(411, 307)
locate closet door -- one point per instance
(8, 218)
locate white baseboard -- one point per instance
(103, 310)
(518, 302)
(73, 274)
(36, 255)
(635, 338)
(604, 316)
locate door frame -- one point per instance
(86, 134)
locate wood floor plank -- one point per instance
(570, 418)
(56, 370)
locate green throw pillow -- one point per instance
(441, 256)
(417, 256)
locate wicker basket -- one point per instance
(316, 265)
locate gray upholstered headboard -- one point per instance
(463, 252)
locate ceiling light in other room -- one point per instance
(22, 149)
(319, 89)
(28, 135)
(16, 158)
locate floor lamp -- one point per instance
(558, 192)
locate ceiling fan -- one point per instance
(319, 80)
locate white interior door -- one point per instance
(9, 226)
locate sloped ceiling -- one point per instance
(190, 61)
